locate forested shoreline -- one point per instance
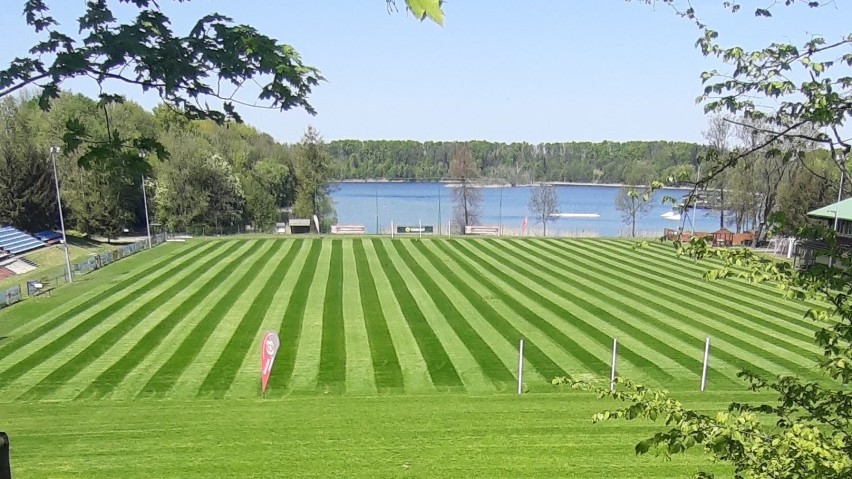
(515, 163)
(224, 177)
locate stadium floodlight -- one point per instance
(147, 221)
(53, 151)
(145, 203)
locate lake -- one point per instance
(378, 203)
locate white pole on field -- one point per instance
(612, 372)
(392, 231)
(521, 367)
(790, 246)
(53, 151)
(420, 229)
(704, 367)
(449, 227)
(147, 220)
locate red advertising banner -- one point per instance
(268, 348)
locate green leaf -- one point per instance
(423, 9)
(644, 446)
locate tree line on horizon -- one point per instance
(220, 178)
(515, 163)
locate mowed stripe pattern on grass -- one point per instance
(366, 316)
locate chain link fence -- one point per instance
(57, 276)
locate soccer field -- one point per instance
(376, 330)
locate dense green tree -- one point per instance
(810, 185)
(787, 93)
(181, 200)
(313, 172)
(225, 196)
(27, 193)
(260, 208)
(207, 66)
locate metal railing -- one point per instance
(54, 277)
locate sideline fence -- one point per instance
(56, 276)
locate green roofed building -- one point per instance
(811, 252)
(843, 212)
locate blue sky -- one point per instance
(499, 70)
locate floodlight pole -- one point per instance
(839, 198)
(147, 220)
(53, 151)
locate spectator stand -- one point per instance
(14, 241)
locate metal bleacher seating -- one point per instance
(14, 241)
(48, 236)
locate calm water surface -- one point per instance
(372, 204)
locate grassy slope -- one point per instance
(51, 260)
(365, 316)
(432, 314)
(434, 436)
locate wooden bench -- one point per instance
(482, 230)
(347, 229)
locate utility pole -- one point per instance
(145, 203)
(53, 151)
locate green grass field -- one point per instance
(51, 260)
(398, 358)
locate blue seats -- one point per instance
(48, 236)
(14, 241)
